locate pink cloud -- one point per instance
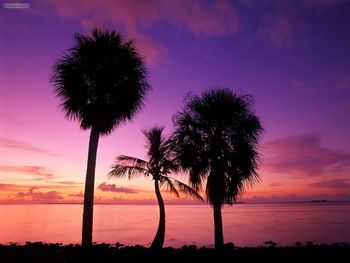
(320, 5)
(298, 198)
(285, 26)
(283, 29)
(274, 184)
(67, 182)
(201, 18)
(47, 196)
(303, 154)
(314, 4)
(23, 146)
(332, 184)
(150, 50)
(45, 173)
(343, 83)
(104, 187)
(80, 195)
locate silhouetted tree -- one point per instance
(216, 137)
(101, 82)
(161, 163)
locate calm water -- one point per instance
(244, 224)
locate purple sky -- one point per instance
(292, 56)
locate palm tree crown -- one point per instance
(217, 136)
(161, 163)
(101, 81)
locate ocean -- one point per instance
(244, 224)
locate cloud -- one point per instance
(343, 83)
(71, 183)
(285, 24)
(333, 184)
(311, 4)
(23, 146)
(47, 196)
(298, 198)
(45, 173)
(283, 29)
(303, 154)
(104, 187)
(203, 18)
(135, 17)
(80, 195)
(274, 184)
(3, 186)
(206, 18)
(320, 5)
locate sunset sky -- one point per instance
(293, 57)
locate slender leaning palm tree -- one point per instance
(216, 139)
(101, 82)
(161, 163)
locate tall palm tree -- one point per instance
(101, 82)
(216, 139)
(161, 163)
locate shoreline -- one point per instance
(50, 252)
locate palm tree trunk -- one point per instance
(219, 237)
(158, 240)
(89, 189)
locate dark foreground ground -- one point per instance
(41, 252)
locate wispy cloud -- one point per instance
(321, 5)
(333, 184)
(42, 196)
(283, 29)
(68, 183)
(274, 184)
(104, 187)
(43, 172)
(298, 198)
(201, 18)
(80, 195)
(285, 23)
(303, 154)
(343, 83)
(3, 186)
(24, 146)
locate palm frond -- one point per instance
(132, 161)
(169, 185)
(130, 171)
(186, 189)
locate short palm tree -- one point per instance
(101, 82)
(216, 139)
(161, 163)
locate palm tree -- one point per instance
(101, 82)
(160, 164)
(216, 138)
